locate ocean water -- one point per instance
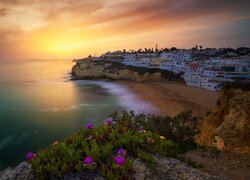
(39, 105)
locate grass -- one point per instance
(127, 131)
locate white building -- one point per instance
(243, 61)
(197, 80)
(129, 59)
(182, 56)
(167, 65)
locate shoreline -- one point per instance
(126, 98)
(172, 98)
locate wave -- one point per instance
(125, 97)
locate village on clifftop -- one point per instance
(205, 68)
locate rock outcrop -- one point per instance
(22, 171)
(228, 126)
(165, 168)
(96, 69)
(169, 168)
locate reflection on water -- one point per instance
(38, 105)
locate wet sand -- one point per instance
(171, 98)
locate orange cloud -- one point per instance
(69, 28)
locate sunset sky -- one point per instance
(62, 29)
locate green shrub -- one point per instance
(181, 128)
(102, 145)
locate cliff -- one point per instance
(228, 126)
(96, 69)
(124, 147)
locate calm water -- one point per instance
(38, 105)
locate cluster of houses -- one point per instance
(208, 73)
(211, 73)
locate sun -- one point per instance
(55, 43)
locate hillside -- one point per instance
(128, 146)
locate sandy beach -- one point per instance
(171, 98)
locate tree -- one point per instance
(173, 49)
(166, 50)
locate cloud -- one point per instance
(31, 14)
(95, 12)
(3, 11)
(82, 22)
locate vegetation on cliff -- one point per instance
(238, 84)
(109, 150)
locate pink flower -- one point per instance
(89, 125)
(121, 152)
(109, 121)
(141, 130)
(120, 161)
(88, 160)
(30, 155)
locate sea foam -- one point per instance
(125, 97)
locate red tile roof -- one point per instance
(194, 65)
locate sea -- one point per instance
(39, 105)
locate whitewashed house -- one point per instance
(166, 65)
(129, 59)
(145, 62)
(243, 61)
(197, 80)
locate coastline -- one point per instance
(162, 89)
(172, 98)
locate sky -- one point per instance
(66, 29)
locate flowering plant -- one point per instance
(30, 155)
(88, 161)
(121, 152)
(120, 161)
(89, 126)
(108, 150)
(109, 121)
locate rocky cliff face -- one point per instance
(89, 69)
(228, 126)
